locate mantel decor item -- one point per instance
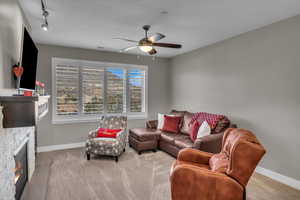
(40, 88)
(18, 72)
(1, 117)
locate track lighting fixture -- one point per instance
(45, 14)
(45, 26)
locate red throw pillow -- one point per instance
(171, 123)
(194, 130)
(108, 133)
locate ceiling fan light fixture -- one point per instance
(146, 48)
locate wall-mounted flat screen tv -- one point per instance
(29, 63)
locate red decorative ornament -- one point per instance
(18, 71)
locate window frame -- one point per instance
(81, 117)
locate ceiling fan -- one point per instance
(147, 44)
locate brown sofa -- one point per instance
(150, 138)
(200, 175)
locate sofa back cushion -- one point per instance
(222, 125)
(186, 123)
(178, 112)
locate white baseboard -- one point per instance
(60, 147)
(279, 177)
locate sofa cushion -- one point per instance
(186, 124)
(183, 141)
(168, 137)
(144, 134)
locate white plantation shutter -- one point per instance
(92, 90)
(67, 90)
(115, 90)
(86, 90)
(136, 85)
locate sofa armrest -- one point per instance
(194, 155)
(152, 124)
(210, 143)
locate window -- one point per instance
(85, 90)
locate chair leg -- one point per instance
(88, 156)
(116, 158)
(139, 153)
(124, 150)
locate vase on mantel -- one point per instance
(1, 117)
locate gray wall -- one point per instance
(158, 90)
(254, 80)
(11, 29)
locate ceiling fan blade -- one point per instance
(128, 48)
(168, 45)
(156, 37)
(125, 39)
(152, 52)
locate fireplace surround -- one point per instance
(21, 170)
(12, 142)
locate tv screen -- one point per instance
(29, 63)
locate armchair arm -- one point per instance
(121, 138)
(210, 143)
(92, 134)
(193, 155)
(152, 124)
(192, 182)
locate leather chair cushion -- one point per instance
(183, 141)
(187, 117)
(144, 134)
(179, 162)
(219, 163)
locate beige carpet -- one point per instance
(67, 175)
(71, 177)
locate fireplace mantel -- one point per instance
(23, 111)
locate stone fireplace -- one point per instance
(21, 169)
(17, 160)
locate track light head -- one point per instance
(45, 26)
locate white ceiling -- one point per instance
(192, 23)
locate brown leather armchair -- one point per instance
(198, 175)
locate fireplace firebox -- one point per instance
(21, 170)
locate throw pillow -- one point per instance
(108, 133)
(171, 123)
(161, 120)
(198, 131)
(194, 130)
(204, 130)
